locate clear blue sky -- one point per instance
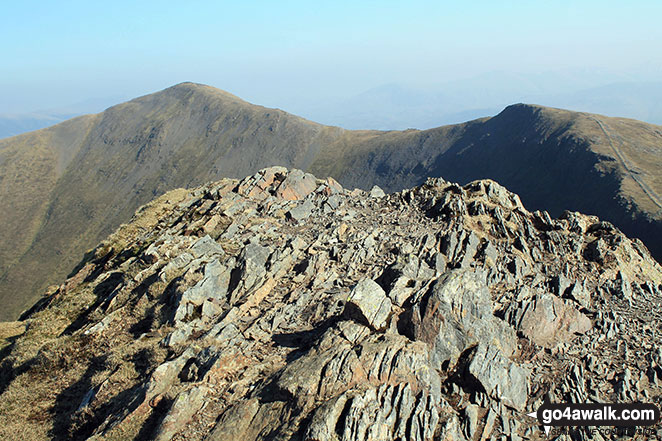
(60, 52)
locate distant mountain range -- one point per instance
(398, 107)
(66, 187)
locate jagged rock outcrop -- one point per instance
(282, 307)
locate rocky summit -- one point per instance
(285, 307)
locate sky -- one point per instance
(291, 54)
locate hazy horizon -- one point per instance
(312, 59)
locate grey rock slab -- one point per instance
(101, 326)
(401, 290)
(451, 243)
(457, 315)
(471, 420)
(254, 257)
(377, 192)
(560, 284)
(206, 246)
(183, 409)
(394, 358)
(596, 251)
(165, 375)
(501, 378)
(180, 334)
(490, 254)
(500, 195)
(214, 285)
(579, 293)
(440, 263)
(174, 266)
(470, 246)
(248, 420)
(489, 424)
(225, 332)
(371, 301)
(302, 211)
(407, 276)
(325, 419)
(232, 230)
(210, 308)
(334, 201)
(352, 331)
(450, 429)
(323, 372)
(86, 400)
(252, 271)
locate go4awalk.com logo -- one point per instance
(627, 415)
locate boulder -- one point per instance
(548, 320)
(457, 315)
(369, 300)
(377, 192)
(213, 286)
(501, 378)
(302, 211)
(297, 185)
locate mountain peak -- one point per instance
(189, 92)
(534, 110)
(190, 87)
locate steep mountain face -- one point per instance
(64, 188)
(285, 307)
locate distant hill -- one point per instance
(64, 188)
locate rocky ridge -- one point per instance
(282, 306)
